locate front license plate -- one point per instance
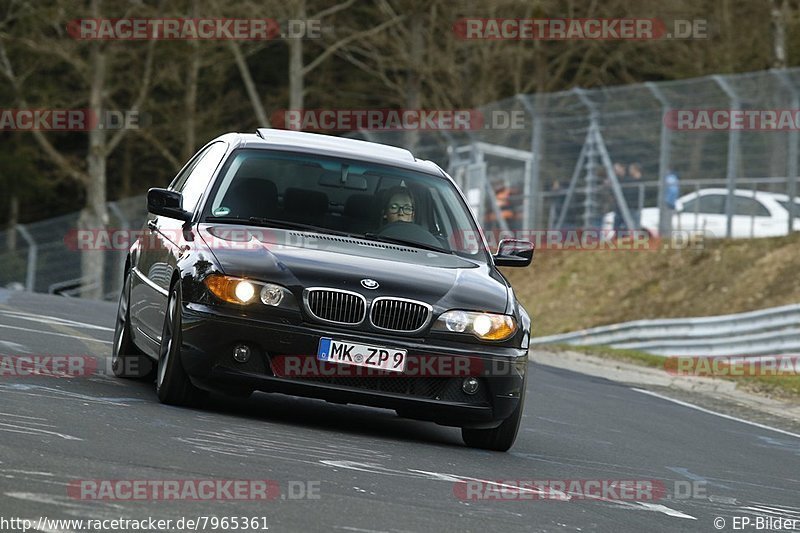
(378, 357)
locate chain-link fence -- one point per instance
(609, 157)
(604, 157)
(45, 256)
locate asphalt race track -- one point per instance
(366, 469)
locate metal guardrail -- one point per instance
(771, 331)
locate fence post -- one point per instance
(533, 189)
(791, 164)
(33, 253)
(733, 151)
(591, 175)
(663, 157)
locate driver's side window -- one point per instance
(192, 182)
(179, 181)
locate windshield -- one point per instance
(332, 195)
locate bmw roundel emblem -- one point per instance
(369, 283)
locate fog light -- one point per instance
(241, 353)
(470, 385)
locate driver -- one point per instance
(399, 207)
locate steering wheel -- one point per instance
(409, 231)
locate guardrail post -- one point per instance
(33, 254)
(733, 152)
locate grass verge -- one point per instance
(778, 387)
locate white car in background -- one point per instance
(755, 214)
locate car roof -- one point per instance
(784, 197)
(335, 146)
(737, 192)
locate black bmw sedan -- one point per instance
(330, 268)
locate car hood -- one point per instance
(299, 260)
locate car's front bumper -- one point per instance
(209, 336)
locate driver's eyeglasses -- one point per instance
(406, 209)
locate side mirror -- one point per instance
(167, 203)
(514, 253)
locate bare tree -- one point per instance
(298, 68)
(93, 72)
(780, 10)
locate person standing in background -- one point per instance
(622, 179)
(634, 195)
(672, 190)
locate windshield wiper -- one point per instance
(272, 222)
(405, 242)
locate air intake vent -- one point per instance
(360, 242)
(333, 305)
(397, 314)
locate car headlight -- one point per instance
(485, 326)
(244, 291)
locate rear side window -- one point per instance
(750, 207)
(785, 205)
(712, 204)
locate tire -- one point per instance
(127, 360)
(172, 382)
(501, 438)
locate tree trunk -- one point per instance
(414, 79)
(190, 103)
(780, 9)
(777, 160)
(296, 74)
(249, 85)
(190, 98)
(94, 215)
(127, 169)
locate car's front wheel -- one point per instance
(501, 438)
(172, 382)
(127, 360)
